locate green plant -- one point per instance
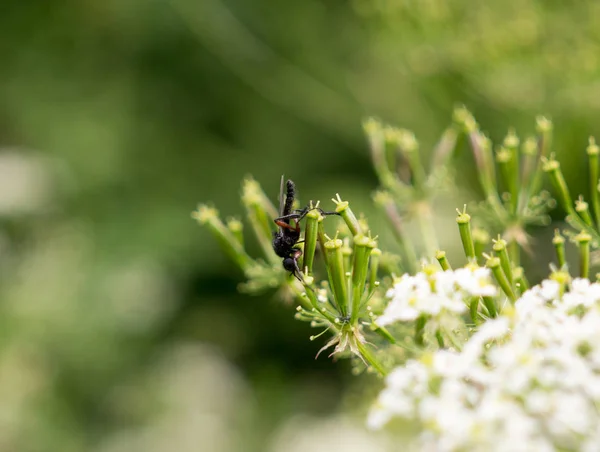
(411, 311)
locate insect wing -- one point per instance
(281, 200)
(281, 195)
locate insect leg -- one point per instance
(297, 273)
(283, 225)
(324, 213)
(297, 215)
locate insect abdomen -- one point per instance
(290, 195)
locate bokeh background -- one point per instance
(120, 325)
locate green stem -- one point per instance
(362, 250)
(530, 169)
(559, 245)
(515, 252)
(464, 226)
(593, 151)
(552, 167)
(439, 338)
(322, 239)
(473, 308)
(583, 240)
(493, 263)
(370, 358)
(384, 333)
(373, 267)
(582, 209)
(419, 330)
(504, 157)
(409, 257)
(490, 305)
(425, 219)
(443, 260)
(343, 208)
(313, 218)
(500, 248)
(337, 275)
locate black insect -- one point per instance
(287, 236)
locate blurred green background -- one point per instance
(121, 328)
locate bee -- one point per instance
(287, 237)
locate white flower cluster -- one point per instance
(528, 380)
(435, 294)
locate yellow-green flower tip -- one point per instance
(517, 273)
(371, 125)
(463, 117)
(470, 125)
(333, 244)
(376, 252)
(204, 213)
(315, 214)
(251, 192)
(346, 249)
(440, 254)
(471, 265)
(511, 140)
(249, 185)
(550, 165)
(499, 245)
(543, 124)
(503, 155)
(408, 141)
(391, 134)
(583, 237)
(463, 218)
(481, 236)
(529, 146)
(561, 277)
(581, 205)
(429, 269)
(363, 240)
(558, 238)
(592, 148)
(340, 205)
(493, 262)
(382, 197)
(234, 225)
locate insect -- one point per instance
(287, 236)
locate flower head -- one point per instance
(531, 379)
(435, 295)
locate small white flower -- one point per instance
(537, 402)
(378, 417)
(476, 282)
(428, 295)
(529, 302)
(550, 290)
(445, 282)
(490, 330)
(410, 298)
